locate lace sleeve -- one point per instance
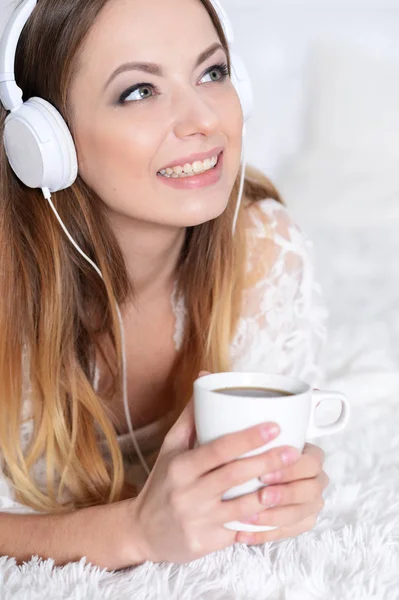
(282, 328)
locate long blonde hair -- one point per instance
(54, 308)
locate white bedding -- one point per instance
(354, 551)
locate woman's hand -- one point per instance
(292, 501)
(179, 514)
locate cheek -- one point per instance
(232, 115)
(232, 124)
(114, 157)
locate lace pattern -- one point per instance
(282, 328)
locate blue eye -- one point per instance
(142, 91)
(146, 91)
(217, 73)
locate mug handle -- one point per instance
(319, 430)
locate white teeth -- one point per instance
(188, 170)
(198, 167)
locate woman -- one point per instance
(148, 210)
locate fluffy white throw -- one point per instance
(353, 554)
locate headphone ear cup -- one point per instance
(242, 83)
(40, 147)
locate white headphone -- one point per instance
(42, 153)
(38, 143)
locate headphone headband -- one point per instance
(10, 93)
(37, 140)
(224, 21)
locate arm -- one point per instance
(103, 534)
(282, 328)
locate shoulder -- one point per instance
(273, 240)
(282, 318)
(268, 218)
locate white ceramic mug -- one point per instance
(218, 414)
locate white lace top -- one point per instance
(282, 328)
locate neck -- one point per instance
(151, 254)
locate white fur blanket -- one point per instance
(353, 554)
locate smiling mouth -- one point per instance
(190, 169)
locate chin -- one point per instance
(201, 212)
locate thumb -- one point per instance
(203, 373)
(182, 435)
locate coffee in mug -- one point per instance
(253, 392)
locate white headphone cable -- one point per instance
(47, 195)
(242, 181)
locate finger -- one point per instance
(310, 465)
(277, 534)
(315, 451)
(297, 492)
(237, 472)
(286, 516)
(249, 508)
(180, 437)
(227, 448)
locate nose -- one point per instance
(194, 115)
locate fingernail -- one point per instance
(269, 431)
(270, 498)
(271, 478)
(290, 456)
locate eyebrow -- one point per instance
(154, 69)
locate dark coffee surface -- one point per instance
(253, 392)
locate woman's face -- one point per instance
(151, 98)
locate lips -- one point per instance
(195, 181)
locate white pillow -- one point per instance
(346, 174)
(341, 189)
(354, 100)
